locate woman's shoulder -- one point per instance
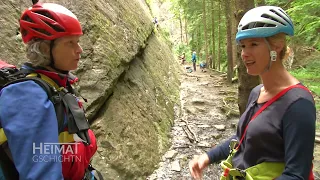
(28, 88)
(300, 92)
(256, 90)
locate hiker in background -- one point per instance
(275, 135)
(194, 60)
(202, 66)
(28, 117)
(183, 58)
(155, 22)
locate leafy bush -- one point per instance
(306, 17)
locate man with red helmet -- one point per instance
(39, 147)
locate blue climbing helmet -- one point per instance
(264, 21)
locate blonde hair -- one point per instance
(36, 52)
(280, 38)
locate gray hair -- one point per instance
(36, 52)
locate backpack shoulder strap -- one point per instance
(46, 79)
(51, 88)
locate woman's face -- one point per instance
(66, 53)
(255, 55)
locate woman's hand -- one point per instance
(197, 165)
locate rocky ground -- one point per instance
(203, 122)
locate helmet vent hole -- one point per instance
(46, 14)
(27, 18)
(285, 18)
(284, 13)
(55, 27)
(24, 32)
(42, 31)
(245, 27)
(271, 18)
(257, 25)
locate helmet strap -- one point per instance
(52, 60)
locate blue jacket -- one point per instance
(26, 103)
(194, 57)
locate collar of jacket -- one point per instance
(60, 79)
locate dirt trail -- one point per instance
(201, 95)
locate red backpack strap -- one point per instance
(311, 176)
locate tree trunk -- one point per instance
(229, 43)
(186, 30)
(193, 39)
(181, 34)
(213, 40)
(246, 81)
(260, 2)
(198, 42)
(205, 30)
(219, 34)
(234, 32)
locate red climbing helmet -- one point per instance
(48, 21)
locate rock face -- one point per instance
(132, 125)
(127, 73)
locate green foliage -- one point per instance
(165, 34)
(306, 16)
(182, 48)
(148, 3)
(192, 12)
(310, 77)
(280, 3)
(304, 13)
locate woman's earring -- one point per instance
(273, 55)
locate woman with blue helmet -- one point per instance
(275, 135)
